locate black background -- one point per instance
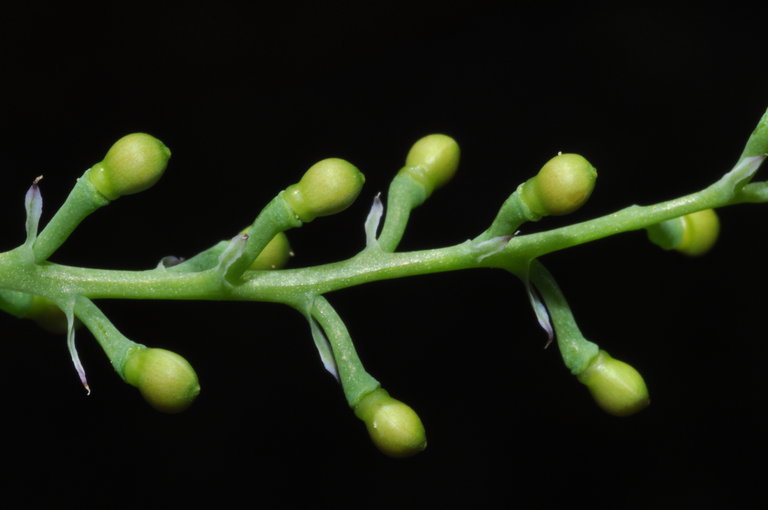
(660, 100)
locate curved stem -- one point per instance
(513, 213)
(355, 380)
(115, 345)
(577, 351)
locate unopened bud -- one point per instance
(394, 427)
(275, 254)
(134, 163)
(692, 234)
(617, 387)
(562, 185)
(166, 380)
(433, 161)
(48, 315)
(328, 187)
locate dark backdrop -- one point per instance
(660, 100)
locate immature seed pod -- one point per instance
(328, 187)
(275, 254)
(692, 234)
(432, 161)
(394, 427)
(563, 184)
(134, 163)
(166, 380)
(617, 387)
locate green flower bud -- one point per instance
(328, 187)
(47, 315)
(166, 380)
(134, 163)
(701, 231)
(432, 161)
(562, 185)
(275, 254)
(693, 234)
(394, 427)
(616, 387)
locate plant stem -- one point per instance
(355, 380)
(577, 352)
(631, 218)
(403, 196)
(81, 202)
(19, 273)
(115, 345)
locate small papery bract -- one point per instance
(373, 220)
(540, 310)
(33, 203)
(69, 311)
(324, 348)
(232, 253)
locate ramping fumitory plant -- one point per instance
(248, 267)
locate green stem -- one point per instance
(754, 192)
(635, 217)
(355, 381)
(513, 213)
(276, 217)
(115, 345)
(404, 195)
(18, 273)
(577, 351)
(81, 202)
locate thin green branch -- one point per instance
(115, 345)
(50, 280)
(577, 351)
(83, 200)
(355, 380)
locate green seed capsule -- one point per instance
(617, 387)
(134, 163)
(432, 161)
(166, 380)
(562, 185)
(275, 254)
(328, 187)
(394, 427)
